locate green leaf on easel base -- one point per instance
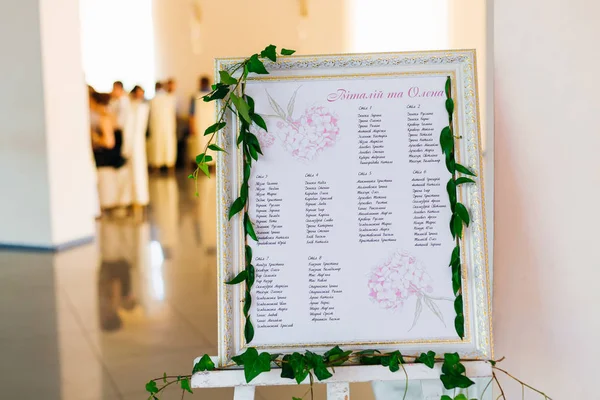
(426, 358)
(444, 397)
(287, 52)
(184, 383)
(392, 360)
(270, 53)
(463, 213)
(227, 79)
(464, 170)
(204, 364)
(299, 365)
(286, 369)
(241, 277)
(236, 207)
(256, 66)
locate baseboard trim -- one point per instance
(47, 249)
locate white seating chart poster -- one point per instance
(350, 208)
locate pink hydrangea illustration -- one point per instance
(398, 278)
(265, 138)
(313, 132)
(308, 135)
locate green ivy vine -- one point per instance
(300, 366)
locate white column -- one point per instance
(46, 171)
(547, 266)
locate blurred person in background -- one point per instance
(134, 149)
(107, 145)
(202, 115)
(162, 145)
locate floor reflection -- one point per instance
(97, 322)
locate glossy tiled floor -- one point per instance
(99, 321)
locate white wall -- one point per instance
(547, 268)
(45, 165)
(240, 28)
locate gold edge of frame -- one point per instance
(223, 62)
(483, 209)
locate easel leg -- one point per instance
(243, 393)
(338, 391)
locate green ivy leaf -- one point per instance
(184, 383)
(270, 53)
(203, 158)
(258, 120)
(236, 207)
(249, 227)
(296, 398)
(220, 91)
(452, 225)
(453, 382)
(458, 225)
(392, 360)
(226, 78)
(299, 366)
(251, 275)
(204, 364)
(367, 357)
(459, 326)
(248, 253)
(164, 377)
(461, 397)
(464, 170)
(286, 369)
(336, 356)
(204, 168)
(455, 258)
(444, 397)
(458, 305)
(456, 281)
(214, 128)
(463, 213)
(256, 66)
(253, 152)
(214, 147)
(248, 331)
(247, 171)
(151, 387)
(453, 372)
(242, 107)
(426, 358)
(463, 180)
(241, 277)
(254, 364)
(448, 87)
(447, 141)
(450, 106)
(451, 163)
(247, 302)
(317, 363)
(286, 52)
(250, 102)
(451, 190)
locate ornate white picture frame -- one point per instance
(460, 65)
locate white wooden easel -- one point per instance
(338, 386)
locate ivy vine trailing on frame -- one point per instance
(298, 366)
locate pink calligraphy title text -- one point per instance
(415, 91)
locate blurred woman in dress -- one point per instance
(106, 144)
(134, 149)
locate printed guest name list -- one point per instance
(351, 172)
